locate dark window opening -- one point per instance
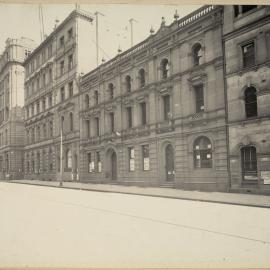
(251, 102)
(167, 107)
(248, 52)
(202, 150)
(199, 97)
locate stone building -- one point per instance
(51, 99)
(155, 114)
(247, 57)
(11, 107)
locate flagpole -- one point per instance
(61, 156)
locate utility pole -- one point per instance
(131, 30)
(41, 22)
(97, 41)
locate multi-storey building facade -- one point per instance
(51, 100)
(11, 107)
(247, 56)
(155, 114)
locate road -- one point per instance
(53, 227)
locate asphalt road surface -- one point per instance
(53, 227)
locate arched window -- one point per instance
(250, 102)
(202, 150)
(86, 101)
(249, 163)
(110, 89)
(141, 77)
(197, 54)
(69, 159)
(164, 66)
(128, 83)
(71, 121)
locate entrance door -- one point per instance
(114, 166)
(169, 162)
(249, 165)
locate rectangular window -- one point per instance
(145, 156)
(143, 113)
(38, 107)
(43, 104)
(111, 115)
(50, 50)
(51, 129)
(50, 100)
(131, 158)
(97, 126)
(62, 67)
(62, 41)
(62, 93)
(166, 107)
(70, 33)
(50, 75)
(70, 62)
(91, 163)
(248, 52)
(70, 89)
(199, 96)
(87, 125)
(129, 117)
(96, 97)
(43, 79)
(99, 162)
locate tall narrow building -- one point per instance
(51, 99)
(11, 107)
(247, 46)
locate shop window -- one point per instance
(68, 159)
(99, 166)
(91, 163)
(249, 162)
(145, 157)
(202, 150)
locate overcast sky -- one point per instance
(17, 20)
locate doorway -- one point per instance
(169, 163)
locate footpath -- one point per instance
(215, 197)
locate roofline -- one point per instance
(105, 65)
(76, 12)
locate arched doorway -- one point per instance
(169, 163)
(113, 166)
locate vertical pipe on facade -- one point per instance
(225, 99)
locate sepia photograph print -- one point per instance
(134, 135)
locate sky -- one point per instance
(22, 20)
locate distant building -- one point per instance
(51, 99)
(155, 114)
(11, 107)
(247, 57)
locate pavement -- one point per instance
(251, 200)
